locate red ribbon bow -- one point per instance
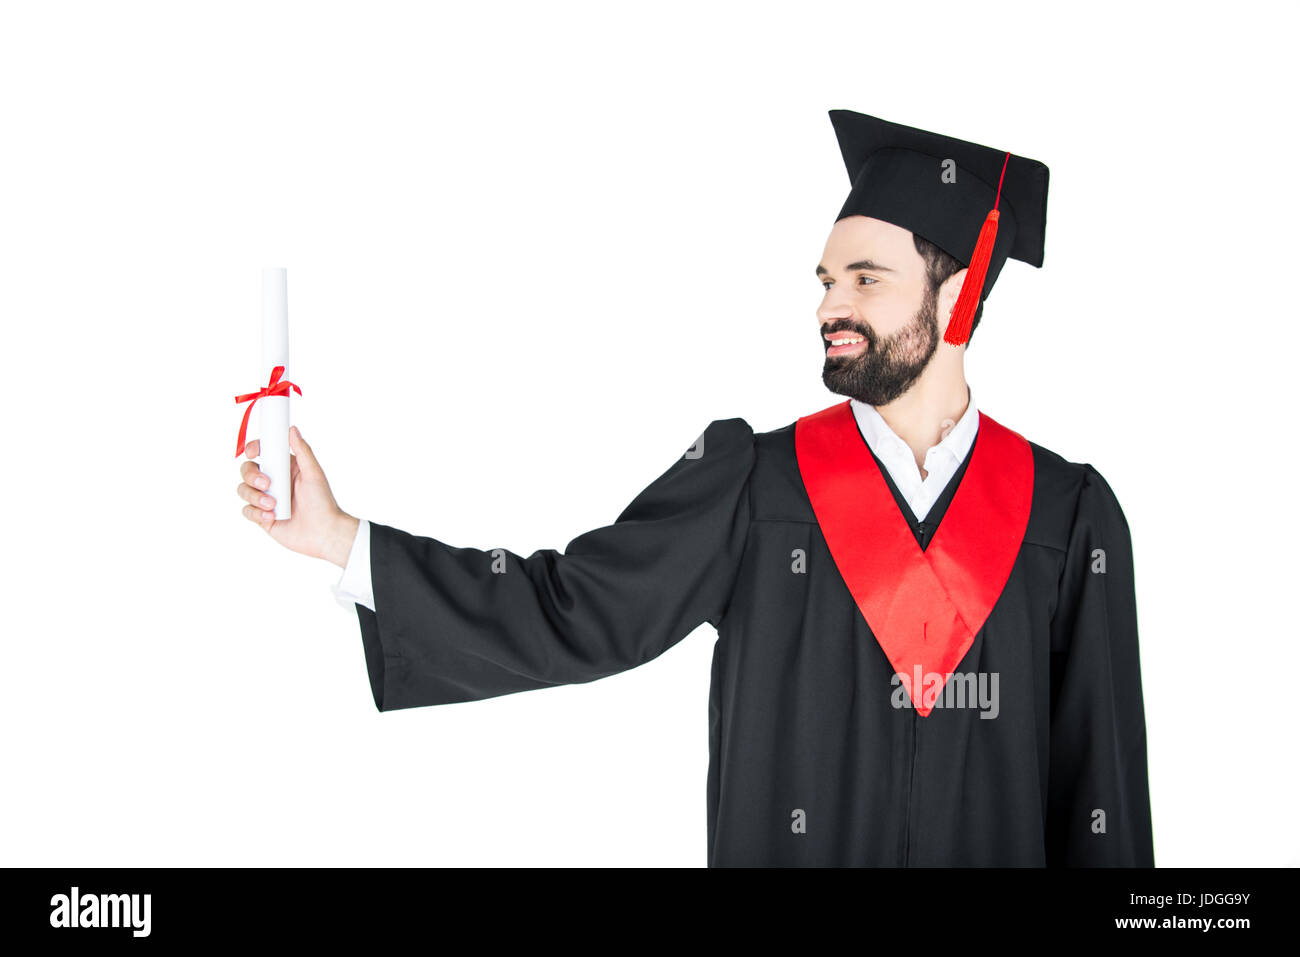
(273, 387)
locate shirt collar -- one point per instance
(885, 442)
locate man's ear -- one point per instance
(949, 290)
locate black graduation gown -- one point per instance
(810, 762)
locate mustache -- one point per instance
(848, 325)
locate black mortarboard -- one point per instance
(977, 204)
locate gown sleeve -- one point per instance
(1098, 754)
(461, 624)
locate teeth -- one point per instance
(846, 342)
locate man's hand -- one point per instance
(319, 528)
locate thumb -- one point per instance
(306, 458)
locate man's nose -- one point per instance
(831, 311)
(835, 304)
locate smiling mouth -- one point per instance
(845, 343)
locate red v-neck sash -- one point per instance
(924, 607)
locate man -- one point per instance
(927, 648)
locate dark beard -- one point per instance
(889, 366)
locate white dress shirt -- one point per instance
(355, 584)
(941, 463)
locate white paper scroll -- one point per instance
(273, 431)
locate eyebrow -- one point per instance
(859, 265)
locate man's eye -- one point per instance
(826, 283)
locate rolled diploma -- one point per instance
(273, 432)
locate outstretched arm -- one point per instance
(458, 624)
(441, 624)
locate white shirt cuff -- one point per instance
(355, 585)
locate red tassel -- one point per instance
(963, 313)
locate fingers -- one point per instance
(255, 497)
(251, 474)
(251, 490)
(306, 459)
(264, 519)
(252, 449)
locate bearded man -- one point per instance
(927, 631)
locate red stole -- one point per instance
(924, 607)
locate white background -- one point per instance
(532, 251)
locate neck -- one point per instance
(934, 402)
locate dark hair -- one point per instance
(938, 267)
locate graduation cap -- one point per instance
(977, 204)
